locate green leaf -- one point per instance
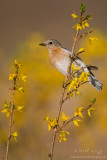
(82, 8)
(93, 101)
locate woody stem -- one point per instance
(10, 126)
(11, 115)
(54, 133)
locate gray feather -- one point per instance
(98, 85)
(92, 67)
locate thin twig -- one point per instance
(85, 34)
(10, 125)
(11, 115)
(57, 130)
(58, 114)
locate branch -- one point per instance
(85, 34)
(11, 114)
(57, 130)
(50, 155)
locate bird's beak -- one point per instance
(42, 44)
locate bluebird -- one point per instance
(60, 58)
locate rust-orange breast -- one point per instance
(57, 54)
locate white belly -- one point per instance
(62, 66)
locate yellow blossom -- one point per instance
(84, 76)
(62, 136)
(73, 84)
(92, 40)
(15, 61)
(64, 117)
(78, 27)
(15, 134)
(17, 64)
(76, 79)
(21, 89)
(12, 76)
(51, 122)
(23, 77)
(78, 112)
(19, 108)
(73, 68)
(90, 109)
(74, 15)
(81, 50)
(5, 105)
(85, 24)
(6, 110)
(77, 92)
(76, 122)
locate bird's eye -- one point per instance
(50, 42)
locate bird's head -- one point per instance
(50, 44)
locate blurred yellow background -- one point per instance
(23, 26)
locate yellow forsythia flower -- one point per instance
(78, 27)
(64, 117)
(5, 110)
(15, 134)
(74, 68)
(81, 50)
(76, 122)
(21, 89)
(12, 76)
(84, 76)
(85, 24)
(90, 109)
(74, 84)
(77, 92)
(76, 79)
(74, 15)
(19, 108)
(92, 40)
(78, 112)
(51, 122)
(62, 136)
(23, 77)
(16, 63)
